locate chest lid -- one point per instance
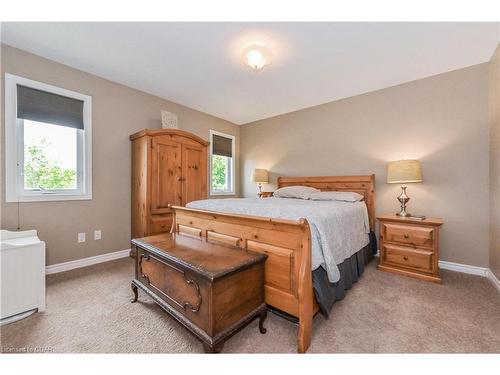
(201, 257)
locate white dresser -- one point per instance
(22, 274)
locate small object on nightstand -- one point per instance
(403, 172)
(260, 176)
(265, 194)
(417, 217)
(410, 247)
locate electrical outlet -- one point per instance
(81, 237)
(97, 234)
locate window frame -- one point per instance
(232, 190)
(14, 147)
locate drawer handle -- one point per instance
(144, 256)
(405, 258)
(187, 304)
(184, 304)
(406, 236)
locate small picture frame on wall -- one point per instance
(168, 120)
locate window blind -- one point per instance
(42, 106)
(222, 146)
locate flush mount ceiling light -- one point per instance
(257, 56)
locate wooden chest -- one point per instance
(410, 247)
(211, 289)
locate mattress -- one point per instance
(338, 229)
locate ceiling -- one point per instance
(199, 64)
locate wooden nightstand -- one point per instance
(410, 247)
(265, 194)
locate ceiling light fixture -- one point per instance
(257, 56)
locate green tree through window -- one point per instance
(40, 172)
(219, 173)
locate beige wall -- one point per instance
(495, 163)
(117, 111)
(441, 120)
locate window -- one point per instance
(48, 142)
(221, 163)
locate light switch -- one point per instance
(97, 235)
(81, 237)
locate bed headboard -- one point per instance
(364, 185)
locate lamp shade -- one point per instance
(260, 176)
(404, 171)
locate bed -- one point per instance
(291, 242)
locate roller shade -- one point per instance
(222, 146)
(42, 106)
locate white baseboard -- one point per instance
(66, 266)
(71, 265)
(494, 280)
(464, 268)
(472, 270)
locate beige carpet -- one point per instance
(88, 310)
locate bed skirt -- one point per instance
(350, 269)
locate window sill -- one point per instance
(48, 198)
(222, 193)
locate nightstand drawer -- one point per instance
(409, 234)
(419, 259)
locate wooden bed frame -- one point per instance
(287, 243)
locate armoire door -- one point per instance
(166, 176)
(194, 168)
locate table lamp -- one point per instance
(403, 172)
(260, 176)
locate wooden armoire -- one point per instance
(169, 166)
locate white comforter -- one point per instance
(338, 229)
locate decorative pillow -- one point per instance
(345, 196)
(299, 192)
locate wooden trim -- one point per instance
(258, 219)
(363, 184)
(405, 272)
(190, 231)
(305, 291)
(155, 132)
(408, 220)
(222, 238)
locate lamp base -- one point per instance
(260, 190)
(403, 199)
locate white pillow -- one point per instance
(299, 192)
(345, 196)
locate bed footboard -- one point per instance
(287, 243)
